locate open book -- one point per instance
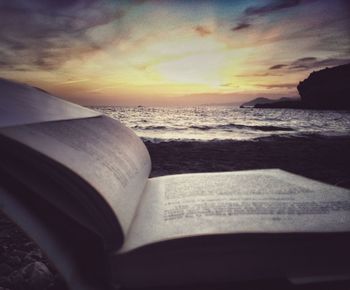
(172, 230)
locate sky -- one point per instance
(154, 52)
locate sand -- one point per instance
(320, 158)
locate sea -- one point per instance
(206, 123)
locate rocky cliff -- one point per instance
(327, 89)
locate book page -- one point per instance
(256, 201)
(101, 151)
(22, 104)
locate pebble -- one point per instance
(14, 260)
(37, 275)
(5, 269)
(23, 266)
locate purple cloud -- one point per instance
(271, 7)
(278, 66)
(241, 26)
(44, 34)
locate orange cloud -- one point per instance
(203, 31)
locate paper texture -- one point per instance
(21, 104)
(256, 201)
(103, 152)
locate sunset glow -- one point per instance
(170, 52)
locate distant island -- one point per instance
(268, 102)
(327, 89)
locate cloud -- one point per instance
(271, 7)
(278, 86)
(45, 34)
(249, 15)
(241, 26)
(278, 66)
(323, 34)
(202, 31)
(310, 63)
(304, 59)
(74, 81)
(229, 85)
(249, 75)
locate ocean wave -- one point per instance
(156, 128)
(225, 127)
(239, 126)
(227, 123)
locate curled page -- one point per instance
(21, 104)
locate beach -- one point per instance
(322, 158)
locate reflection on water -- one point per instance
(227, 122)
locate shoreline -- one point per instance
(321, 158)
(271, 138)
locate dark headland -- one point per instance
(326, 89)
